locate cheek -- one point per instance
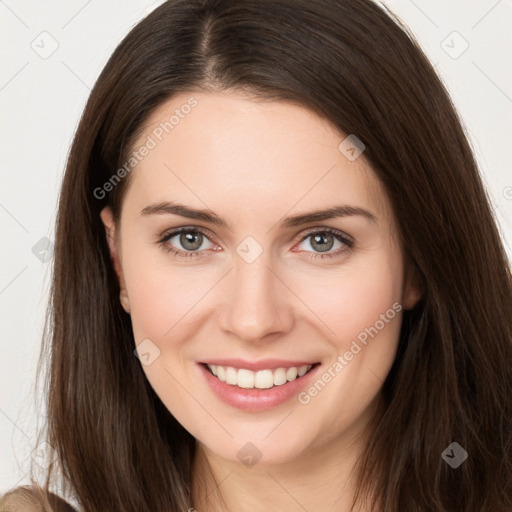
(165, 301)
(354, 299)
(363, 314)
(163, 295)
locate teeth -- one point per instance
(221, 373)
(262, 379)
(302, 370)
(291, 373)
(245, 379)
(231, 376)
(279, 376)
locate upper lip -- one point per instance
(263, 364)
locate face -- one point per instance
(231, 306)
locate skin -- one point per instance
(253, 164)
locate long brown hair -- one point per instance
(350, 61)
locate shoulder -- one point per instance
(32, 499)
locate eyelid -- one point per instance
(344, 238)
(299, 238)
(323, 229)
(170, 233)
(164, 237)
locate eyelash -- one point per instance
(348, 242)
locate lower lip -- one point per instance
(256, 399)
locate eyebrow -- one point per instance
(292, 221)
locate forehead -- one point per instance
(227, 149)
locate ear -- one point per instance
(412, 288)
(107, 217)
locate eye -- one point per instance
(323, 240)
(191, 239)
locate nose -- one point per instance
(257, 303)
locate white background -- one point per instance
(41, 101)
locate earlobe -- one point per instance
(413, 288)
(125, 301)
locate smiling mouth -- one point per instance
(262, 379)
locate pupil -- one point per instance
(188, 238)
(318, 238)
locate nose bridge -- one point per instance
(257, 304)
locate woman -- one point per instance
(278, 280)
